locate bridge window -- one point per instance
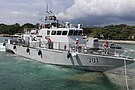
(71, 32)
(80, 32)
(76, 32)
(59, 32)
(53, 33)
(64, 33)
(48, 32)
(96, 40)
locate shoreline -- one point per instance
(117, 41)
(5, 35)
(100, 40)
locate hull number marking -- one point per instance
(92, 59)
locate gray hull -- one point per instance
(83, 61)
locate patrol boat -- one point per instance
(62, 44)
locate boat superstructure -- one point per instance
(63, 44)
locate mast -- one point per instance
(47, 8)
(50, 18)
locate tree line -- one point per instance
(112, 32)
(14, 28)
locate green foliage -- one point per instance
(15, 28)
(28, 25)
(113, 32)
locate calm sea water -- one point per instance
(18, 73)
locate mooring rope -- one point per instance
(126, 74)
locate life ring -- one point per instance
(28, 50)
(4, 44)
(39, 52)
(69, 54)
(14, 47)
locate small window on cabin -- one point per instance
(48, 32)
(70, 32)
(96, 40)
(64, 33)
(76, 32)
(59, 32)
(80, 32)
(53, 33)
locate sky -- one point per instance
(85, 12)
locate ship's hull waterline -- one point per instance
(83, 61)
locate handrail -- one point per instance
(72, 47)
(125, 52)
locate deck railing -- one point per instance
(72, 47)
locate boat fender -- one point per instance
(68, 55)
(39, 52)
(27, 50)
(14, 47)
(4, 44)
